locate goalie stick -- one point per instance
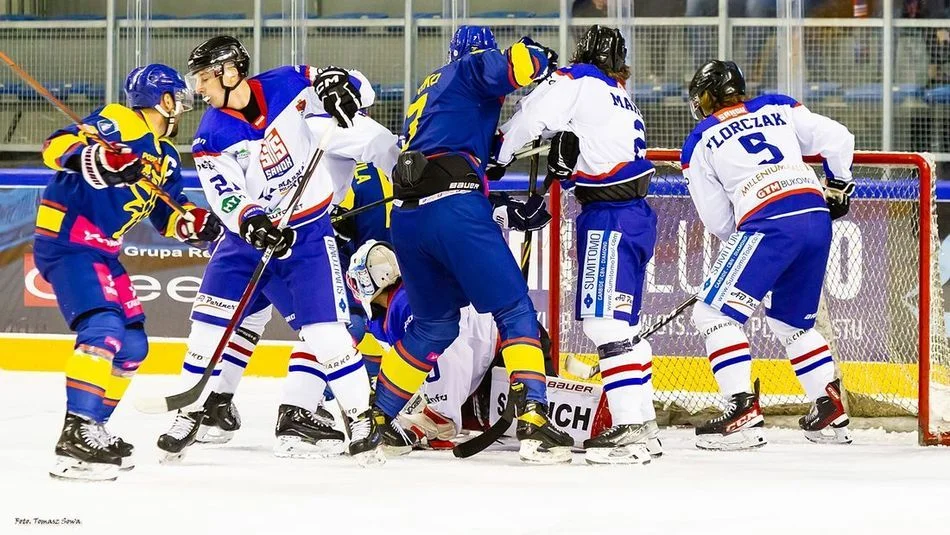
(154, 405)
(92, 133)
(493, 433)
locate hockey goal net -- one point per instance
(882, 308)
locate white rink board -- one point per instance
(883, 484)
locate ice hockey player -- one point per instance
(451, 252)
(600, 149)
(751, 188)
(434, 417)
(94, 199)
(304, 428)
(251, 150)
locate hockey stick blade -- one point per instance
(190, 396)
(492, 434)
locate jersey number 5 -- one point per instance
(755, 143)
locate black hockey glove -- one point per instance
(518, 215)
(838, 196)
(562, 158)
(102, 168)
(548, 53)
(340, 97)
(494, 170)
(345, 228)
(258, 231)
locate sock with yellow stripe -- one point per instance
(124, 366)
(88, 373)
(521, 347)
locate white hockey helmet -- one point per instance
(373, 268)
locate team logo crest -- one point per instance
(301, 106)
(275, 158)
(105, 126)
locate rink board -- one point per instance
(682, 373)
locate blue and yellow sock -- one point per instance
(524, 361)
(400, 376)
(88, 374)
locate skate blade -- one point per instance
(396, 451)
(213, 435)
(744, 439)
(69, 469)
(839, 436)
(374, 457)
(654, 448)
(531, 452)
(296, 448)
(630, 454)
(172, 458)
(127, 464)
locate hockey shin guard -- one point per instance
(727, 347)
(89, 368)
(808, 352)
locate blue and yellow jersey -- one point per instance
(74, 212)
(391, 328)
(369, 185)
(456, 108)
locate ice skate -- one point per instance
(827, 422)
(82, 452)
(220, 421)
(366, 439)
(541, 442)
(398, 439)
(182, 434)
(738, 428)
(120, 447)
(304, 434)
(620, 444)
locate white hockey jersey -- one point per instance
(744, 163)
(242, 165)
(583, 100)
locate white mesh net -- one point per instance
(872, 313)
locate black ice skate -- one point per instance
(541, 442)
(738, 428)
(827, 422)
(365, 437)
(82, 452)
(120, 447)
(181, 435)
(397, 439)
(220, 421)
(620, 444)
(304, 434)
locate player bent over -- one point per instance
(251, 150)
(600, 149)
(752, 190)
(93, 200)
(451, 252)
(436, 418)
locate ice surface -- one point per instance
(884, 483)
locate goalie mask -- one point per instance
(373, 269)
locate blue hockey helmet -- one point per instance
(469, 39)
(146, 85)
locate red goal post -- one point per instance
(882, 308)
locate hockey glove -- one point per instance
(495, 170)
(343, 227)
(257, 230)
(517, 215)
(548, 53)
(562, 158)
(341, 99)
(206, 227)
(102, 168)
(838, 196)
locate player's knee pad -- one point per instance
(134, 350)
(708, 320)
(330, 343)
(517, 320)
(602, 331)
(102, 329)
(256, 322)
(785, 333)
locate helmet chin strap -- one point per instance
(170, 118)
(228, 89)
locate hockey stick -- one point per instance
(532, 187)
(91, 132)
(155, 405)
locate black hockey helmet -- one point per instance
(720, 79)
(219, 50)
(602, 47)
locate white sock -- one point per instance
(202, 342)
(345, 372)
(727, 348)
(306, 379)
(808, 352)
(235, 358)
(627, 376)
